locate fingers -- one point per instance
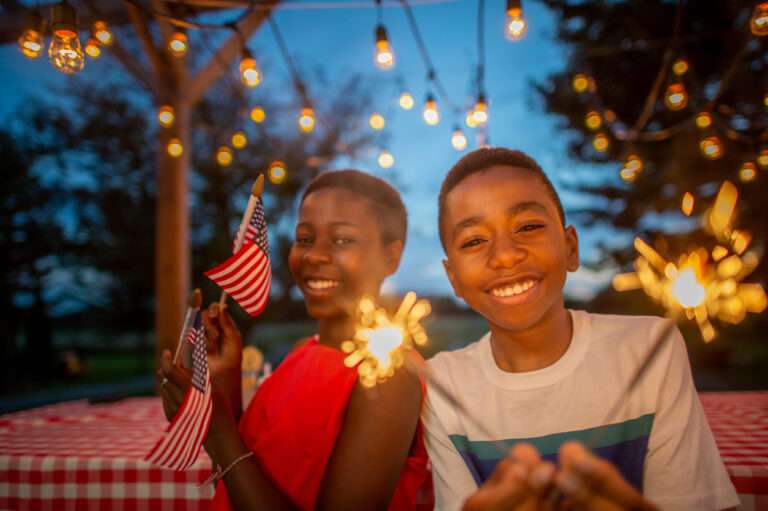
(212, 327)
(231, 341)
(505, 489)
(592, 483)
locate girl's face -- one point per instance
(337, 256)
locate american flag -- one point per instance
(180, 445)
(247, 275)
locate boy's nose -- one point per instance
(505, 253)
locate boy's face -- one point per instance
(507, 250)
(337, 255)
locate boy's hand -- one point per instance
(225, 353)
(520, 482)
(590, 483)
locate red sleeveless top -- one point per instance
(292, 423)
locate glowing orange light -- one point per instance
(165, 116)
(239, 140)
(224, 156)
(376, 121)
(601, 142)
(680, 67)
(258, 114)
(431, 114)
(759, 22)
(580, 83)
(250, 74)
(178, 44)
(277, 172)
(406, 101)
(593, 121)
(676, 98)
(384, 56)
(174, 147)
(711, 148)
(92, 48)
(307, 119)
(703, 120)
(747, 172)
(102, 33)
(458, 140)
(385, 159)
(687, 204)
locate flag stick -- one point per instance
(256, 190)
(195, 299)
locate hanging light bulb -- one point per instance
(92, 48)
(634, 163)
(480, 111)
(224, 156)
(307, 119)
(165, 116)
(759, 22)
(250, 74)
(406, 101)
(515, 25)
(703, 120)
(258, 114)
(601, 142)
(384, 56)
(747, 172)
(431, 114)
(102, 33)
(593, 121)
(31, 39)
(676, 97)
(762, 159)
(178, 44)
(376, 120)
(627, 175)
(458, 140)
(239, 140)
(277, 172)
(711, 147)
(687, 205)
(680, 67)
(65, 52)
(385, 159)
(174, 147)
(580, 83)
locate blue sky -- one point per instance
(340, 41)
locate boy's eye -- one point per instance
(530, 227)
(472, 242)
(343, 240)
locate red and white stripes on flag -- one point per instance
(247, 275)
(180, 445)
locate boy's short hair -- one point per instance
(483, 159)
(384, 199)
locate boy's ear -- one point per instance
(572, 248)
(450, 274)
(393, 251)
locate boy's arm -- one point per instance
(683, 468)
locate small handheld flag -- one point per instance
(247, 275)
(179, 447)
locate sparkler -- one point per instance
(703, 284)
(380, 339)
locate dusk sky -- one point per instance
(340, 42)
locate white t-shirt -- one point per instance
(659, 438)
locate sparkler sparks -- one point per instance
(703, 284)
(380, 338)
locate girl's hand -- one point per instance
(225, 353)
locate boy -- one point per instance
(545, 375)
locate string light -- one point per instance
(250, 74)
(376, 120)
(601, 142)
(515, 25)
(676, 97)
(385, 159)
(277, 172)
(580, 83)
(239, 140)
(593, 121)
(759, 22)
(174, 147)
(102, 33)
(406, 101)
(31, 39)
(65, 52)
(480, 111)
(431, 114)
(178, 44)
(711, 147)
(92, 48)
(470, 120)
(258, 114)
(762, 159)
(633, 165)
(747, 172)
(687, 204)
(703, 120)
(627, 175)
(224, 156)
(384, 56)
(307, 119)
(458, 140)
(680, 67)
(165, 116)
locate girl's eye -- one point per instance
(472, 242)
(530, 227)
(303, 240)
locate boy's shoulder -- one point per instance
(459, 357)
(618, 327)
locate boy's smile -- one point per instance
(507, 250)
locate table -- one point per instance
(85, 456)
(78, 455)
(739, 421)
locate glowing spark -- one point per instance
(380, 338)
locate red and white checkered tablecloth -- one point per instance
(739, 421)
(83, 456)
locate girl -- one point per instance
(319, 439)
